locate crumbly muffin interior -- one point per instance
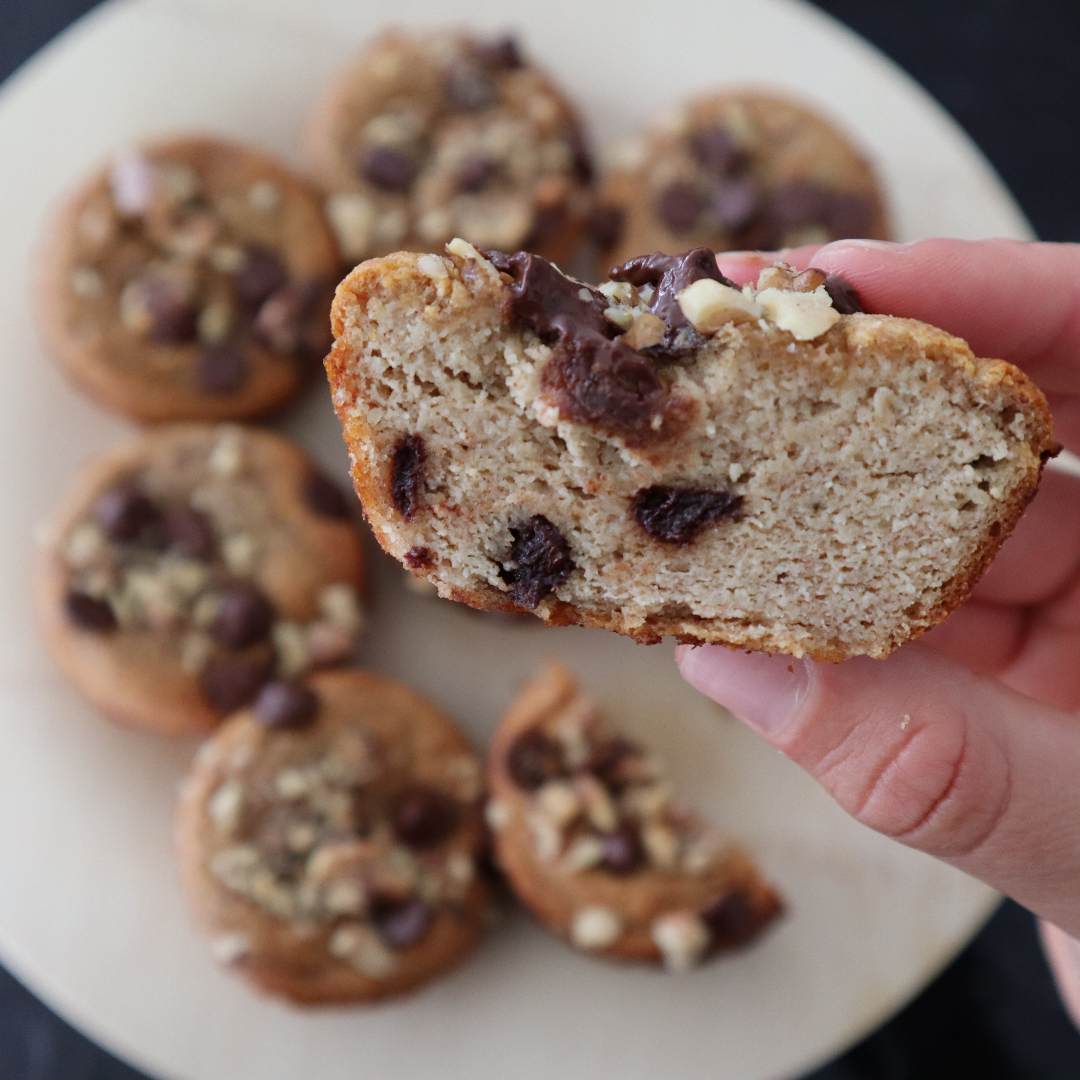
(868, 472)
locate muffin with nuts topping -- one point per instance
(190, 567)
(592, 840)
(329, 839)
(737, 170)
(424, 137)
(190, 279)
(669, 455)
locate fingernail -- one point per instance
(761, 690)
(865, 245)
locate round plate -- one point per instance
(90, 913)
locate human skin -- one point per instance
(966, 744)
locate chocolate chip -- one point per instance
(323, 497)
(281, 316)
(669, 275)
(229, 684)
(623, 851)
(799, 205)
(123, 512)
(607, 757)
(89, 612)
(676, 515)
(679, 206)
(584, 169)
(244, 616)
(849, 215)
(501, 53)
(400, 923)
(173, 319)
(407, 475)
(595, 381)
(735, 203)
(716, 150)
(605, 226)
(475, 174)
(221, 370)
(388, 169)
(424, 817)
(730, 919)
(533, 759)
(417, 558)
(547, 223)
(261, 274)
(844, 297)
(283, 704)
(541, 558)
(467, 86)
(190, 533)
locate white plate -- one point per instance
(90, 915)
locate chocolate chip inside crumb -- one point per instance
(623, 851)
(283, 704)
(221, 369)
(541, 561)
(190, 533)
(424, 817)
(229, 684)
(123, 512)
(676, 515)
(417, 558)
(844, 297)
(244, 616)
(322, 496)
(533, 759)
(89, 612)
(401, 923)
(407, 475)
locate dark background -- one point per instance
(1009, 71)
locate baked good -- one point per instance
(186, 568)
(593, 842)
(736, 170)
(669, 455)
(189, 279)
(424, 137)
(329, 837)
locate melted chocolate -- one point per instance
(669, 275)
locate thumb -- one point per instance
(920, 749)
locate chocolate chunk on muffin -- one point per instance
(189, 279)
(737, 170)
(594, 842)
(424, 137)
(189, 568)
(329, 837)
(670, 455)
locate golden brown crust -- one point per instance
(793, 142)
(155, 382)
(135, 677)
(360, 91)
(477, 303)
(292, 960)
(554, 896)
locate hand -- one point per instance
(965, 744)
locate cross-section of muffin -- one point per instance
(670, 455)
